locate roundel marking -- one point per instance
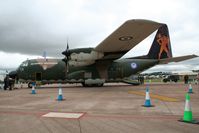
(133, 65)
(125, 38)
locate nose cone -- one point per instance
(64, 52)
(13, 74)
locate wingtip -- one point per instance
(195, 55)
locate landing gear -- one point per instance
(30, 85)
(100, 84)
(93, 82)
(83, 84)
(92, 85)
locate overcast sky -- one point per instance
(29, 27)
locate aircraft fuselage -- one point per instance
(98, 73)
(110, 71)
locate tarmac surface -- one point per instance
(114, 108)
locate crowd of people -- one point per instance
(186, 79)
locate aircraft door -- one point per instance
(38, 76)
(115, 71)
(119, 71)
(112, 73)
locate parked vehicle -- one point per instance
(170, 78)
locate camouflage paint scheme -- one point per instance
(95, 66)
(110, 71)
(50, 69)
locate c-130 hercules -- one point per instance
(95, 66)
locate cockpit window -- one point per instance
(24, 64)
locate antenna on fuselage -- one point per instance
(44, 55)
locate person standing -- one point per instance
(6, 82)
(186, 79)
(142, 79)
(197, 79)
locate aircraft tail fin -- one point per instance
(161, 46)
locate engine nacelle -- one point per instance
(86, 56)
(80, 63)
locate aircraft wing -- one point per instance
(176, 59)
(126, 37)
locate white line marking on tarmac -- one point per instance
(64, 115)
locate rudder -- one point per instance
(161, 46)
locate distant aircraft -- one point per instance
(95, 66)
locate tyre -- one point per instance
(30, 85)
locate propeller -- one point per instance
(67, 54)
(67, 51)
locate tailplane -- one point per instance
(161, 46)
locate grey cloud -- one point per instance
(32, 26)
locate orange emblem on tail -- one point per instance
(163, 41)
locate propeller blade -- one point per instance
(67, 51)
(67, 47)
(67, 58)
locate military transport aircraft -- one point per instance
(95, 66)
